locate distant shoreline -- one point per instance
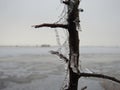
(47, 45)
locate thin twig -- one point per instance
(99, 76)
(60, 55)
(51, 25)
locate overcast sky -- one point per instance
(100, 22)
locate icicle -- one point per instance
(57, 37)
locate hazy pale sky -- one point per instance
(100, 22)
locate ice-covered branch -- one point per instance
(99, 76)
(51, 25)
(60, 55)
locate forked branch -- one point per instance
(51, 25)
(99, 76)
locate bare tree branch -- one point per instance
(60, 55)
(99, 76)
(51, 25)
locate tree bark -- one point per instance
(73, 16)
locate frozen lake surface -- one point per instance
(34, 68)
